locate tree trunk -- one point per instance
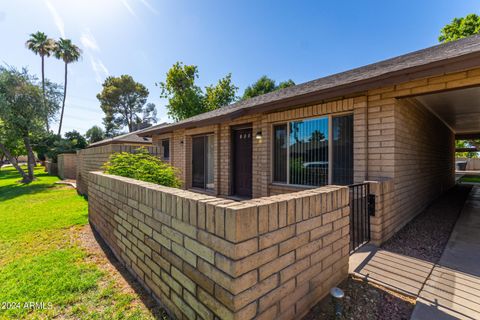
(63, 103)
(14, 162)
(44, 97)
(30, 158)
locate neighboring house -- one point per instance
(96, 154)
(131, 138)
(396, 119)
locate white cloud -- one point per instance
(129, 8)
(88, 41)
(99, 68)
(149, 6)
(56, 18)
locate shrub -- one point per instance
(142, 166)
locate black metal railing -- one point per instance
(362, 206)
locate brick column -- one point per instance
(383, 191)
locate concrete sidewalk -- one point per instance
(452, 290)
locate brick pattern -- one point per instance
(410, 145)
(92, 159)
(395, 139)
(383, 191)
(204, 257)
(261, 154)
(67, 166)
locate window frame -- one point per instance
(330, 147)
(205, 188)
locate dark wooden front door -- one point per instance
(242, 162)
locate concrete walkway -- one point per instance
(447, 290)
(452, 290)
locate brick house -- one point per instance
(390, 126)
(395, 121)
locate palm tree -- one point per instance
(68, 52)
(40, 44)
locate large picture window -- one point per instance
(304, 155)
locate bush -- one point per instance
(142, 166)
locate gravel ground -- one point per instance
(365, 301)
(426, 235)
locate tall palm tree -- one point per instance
(40, 44)
(68, 52)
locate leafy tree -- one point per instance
(265, 85)
(72, 142)
(95, 134)
(43, 142)
(221, 94)
(123, 101)
(43, 46)
(285, 84)
(52, 99)
(68, 52)
(467, 144)
(460, 28)
(186, 99)
(77, 140)
(22, 113)
(11, 147)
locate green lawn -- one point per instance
(475, 179)
(41, 260)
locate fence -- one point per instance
(472, 163)
(204, 257)
(67, 166)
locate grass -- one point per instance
(475, 179)
(41, 260)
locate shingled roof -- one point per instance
(131, 137)
(439, 59)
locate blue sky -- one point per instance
(299, 40)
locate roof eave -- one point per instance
(439, 67)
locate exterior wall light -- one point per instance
(258, 135)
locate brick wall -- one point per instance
(409, 145)
(261, 154)
(51, 167)
(472, 163)
(204, 257)
(67, 166)
(424, 162)
(92, 159)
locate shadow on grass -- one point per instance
(13, 191)
(157, 311)
(17, 188)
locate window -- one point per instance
(202, 162)
(166, 149)
(280, 153)
(342, 145)
(302, 151)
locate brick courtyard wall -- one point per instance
(472, 163)
(51, 167)
(67, 166)
(92, 159)
(204, 257)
